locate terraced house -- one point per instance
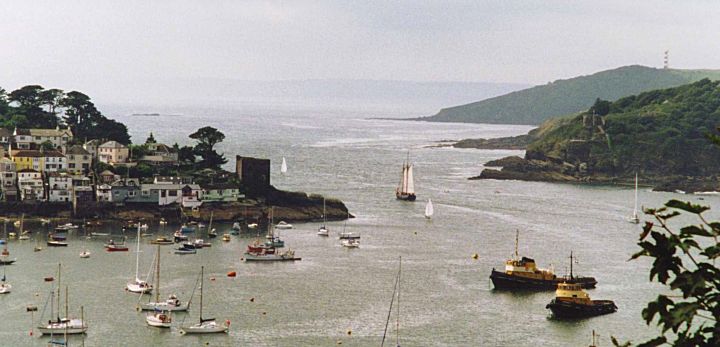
(32, 138)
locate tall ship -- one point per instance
(523, 273)
(573, 302)
(406, 188)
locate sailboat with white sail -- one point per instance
(283, 166)
(635, 219)
(323, 230)
(138, 285)
(172, 303)
(63, 325)
(5, 254)
(429, 209)
(406, 189)
(206, 325)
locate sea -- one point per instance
(339, 296)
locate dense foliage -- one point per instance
(684, 261)
(35, 107)
(657, 133)
(562, 97)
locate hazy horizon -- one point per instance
(138, 50)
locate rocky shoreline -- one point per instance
(287, 206)
(556, 171)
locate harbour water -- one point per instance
(342, 295)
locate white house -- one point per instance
(60, 187)
(113, 152)
(31, 185)
(54, 161)
(103, 192)
(25, 138)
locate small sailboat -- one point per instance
(5, 254)
(85, 253)
(406, 189)
(185, 250)
(4, 286)
(162, 307)
(162, 240)
(429, 209)
(212, 233)
(63, 325)
(635, 219)
(206, 325)
(283, 166)
(348, 235)
(350, 243)
(323, 230)
(282, 225)
(138, 285)
(160, 319)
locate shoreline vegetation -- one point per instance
(662, 135)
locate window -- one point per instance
(71, 165)
(145, 193)
(172, 193)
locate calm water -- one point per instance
(447, 298)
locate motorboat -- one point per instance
(351, 243)
(160, 319)
(162, 241)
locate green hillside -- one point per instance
(562, 97)
(658, 133)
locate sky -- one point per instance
(101, 45)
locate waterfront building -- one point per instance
(125, 190)
(78, 160)
(6, 137)
(224, 192)
(103, 192)
(30, 185)
(54, 161)
(82, 190)
(60, 187)
(8, 180)
(113, 152)
(254, 174)
(108, 177)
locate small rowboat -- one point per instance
(116, 248)
(57, 244)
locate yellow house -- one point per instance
(28, 159)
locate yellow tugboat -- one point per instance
(523, 273)
(573, 302)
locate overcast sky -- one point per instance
(92, 45)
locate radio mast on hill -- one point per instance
(666, 60)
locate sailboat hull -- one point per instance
(74, 326)
(204, 328)
(405, 197)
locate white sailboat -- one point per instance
(172, 303)
(635, 219)
(323, 230)
(4, 286)
(206, 325)
(347, 235)
(63, 325)
(429, 209)
(283, 166)
(406, 188)
(138, 285)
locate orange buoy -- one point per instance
(231, 274)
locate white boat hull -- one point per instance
(5, 288)
(163, 306)
(136, 287)
(154, 321)
(74, 326)
(204, 328)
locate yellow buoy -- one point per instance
(475, 256)
(349, 331)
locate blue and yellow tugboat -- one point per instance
(571, 301)
(523, 274)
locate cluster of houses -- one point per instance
(44, 165)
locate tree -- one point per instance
(207, 138)
(601, 107)
(28, 100)
(684, 261)
(47, 146)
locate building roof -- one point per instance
(57, 132)
(107, 173)
(95, 142)
(53, 154)
(225, 185)
(28, 170)
(169, 186)
(77, 149)
(112, 144)
(5, 132)
(28, 153)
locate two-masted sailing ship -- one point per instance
(406, 188)
(523, 273)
